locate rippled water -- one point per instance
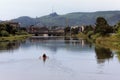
(68, 60)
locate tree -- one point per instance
(101, 22)
(118, 32)
(2, 27)
(67, 30)
(75, 30)
(87, 29)
(102, 26)
(23, 29)
(4, 33)
(117, 27)
(8, 28)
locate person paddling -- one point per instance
(43, 57)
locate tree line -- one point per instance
(6, 30)
(101, 28)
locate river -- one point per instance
(74, 59)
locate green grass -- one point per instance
(16, 37)
(81, 35)
(112, 42)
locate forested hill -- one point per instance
(76, 18)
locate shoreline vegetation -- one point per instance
(111, 41)
(14, 38)
(101, 33)
(11, 31)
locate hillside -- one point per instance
(25, 21)
(76, 18)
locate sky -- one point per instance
(10, 9)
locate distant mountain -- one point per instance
(54, 14)
(76, 18)
(25, 21)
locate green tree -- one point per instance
(102, 26)
(8, 28)
(116, 27)
(118, 32)
(75, 30)
(67, 30)
(2, 27)
(4, 33)
(88, 28)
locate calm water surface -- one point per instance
(68, 60)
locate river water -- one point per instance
(74, 59)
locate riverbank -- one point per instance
(13, 38)
(112, 42)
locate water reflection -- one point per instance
(50, 43)
(103, 54)
(118, 55)
(58, 42)
(4, 46)
(54, 44)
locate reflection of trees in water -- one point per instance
(56, 43)
(118, 55)
(9, 45)
(44, 39)
(67, 40)
(103, 54)
(79, 42)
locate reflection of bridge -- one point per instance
(48, 33)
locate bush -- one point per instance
(90, 33)
(4, 33)
(17, 33)
(23, 33)
(96, 35)
(118, 33)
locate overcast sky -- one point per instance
(10, 9)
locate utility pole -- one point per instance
(66, 22)
(52, 9)
(67, 25)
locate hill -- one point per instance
(25, 21)
(76, 18)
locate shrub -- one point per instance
(96, 35)
(90, 33)
(23, 33)
(17, 33)
(118, 33)
(4, 33)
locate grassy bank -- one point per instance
(112, 42)
(13, 38)
(81, 35)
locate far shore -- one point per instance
(13, 38)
